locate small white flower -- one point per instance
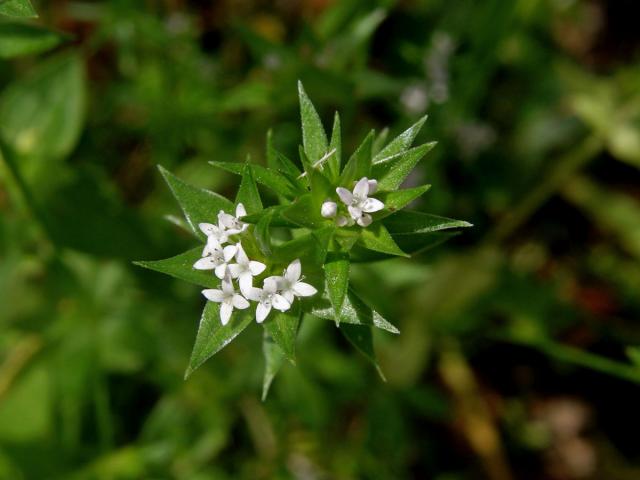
(358, 203)
(227, 298)
(329, 209)
(290, 285)
(216, 235)
(267, 298)
(233, 224)
(244, 270)
(217, 259)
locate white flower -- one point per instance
(358, 203)
(244, 270)
(290, 285)
(329, 209)
(217, 258)
(216, 235)
(227, 298)
(231, 223)
(268, 297)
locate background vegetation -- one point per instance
(517, 357)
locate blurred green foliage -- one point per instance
(518, 356)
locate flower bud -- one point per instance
(373, 186)
(329, 209)
(342, 221)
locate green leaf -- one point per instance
(43, 113)
(361, 337)
(411, 244)
(303, 212)
(394, 201)
(321, 189)
(273, 361)
(280, 163)
(213, 336)
(311, 249)
(283, 328)
(314, 137)
(409, 222)
(17, 8)
(393, 170)
(277, 218)
(377, 238)
(401, 143)
(354, 311)
(18, 39)
(197, 204)
(335, 160)
(359, 164)
(337, 279)
(181, 266)
(248, 193)
(380, 140)
(267, 177)
(261, 233)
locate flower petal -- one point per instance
(294, 270)
(254, 294)
(226, 220)
(364, 220)
(213, 294)
(371, 205)
(345, 195)
(288, 296)
(271, 284)
(373, 186)
(227, 286)
(361, 190)
(329, 209)
(241, 256)
(228, 252)
(208, 228)
(234, 270)
(240, 302)
(355, 212)
(226, 309)
(256, 268)
(206, 263)
(221, 270)
(303, 289)
(280, 303)
(241, 211)
(245, 280)
(262, 311)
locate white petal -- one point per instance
(345, 195)
(228, 252)
(294, 270)
(206, 263)
(241, 256)
(256, 268)
(227, 286)
(361, 189)
(240, 302)
(364, 220)
(355, 212)
(225, 312)
(373, 186)
(329, 209)
(207, 228)
(371, 205)
(280, 303)
(245, 280)
(234, 270)
(262, 311)
(240, 211)
(213, 294)
(254, 294)
(221, 270)
(270, 284)
(288, 296)
(303, 289)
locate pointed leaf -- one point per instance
(401, 143)
(354, 311)
(23, 39)
(394, 201)
(304, 213)
(248, 193)
(409, 222)
(281, 164)
(261, 233)
(212, 336)
(361, 337)
(392, 172)
(337, 279)
(272, 179)
(17, 8)
(335, 161)
(377, 238)
(181, 266)
(378, 143)
(283, 328)
(359, 165)
(311, 249)
(314, 137)
(273, 361)
(277, 219)
(411, 244)
(197, 204)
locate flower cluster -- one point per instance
(277, 292)
(359, 204)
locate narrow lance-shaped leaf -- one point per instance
(409, 222)
(401, 143)
(314, 137)
(283, 328)
(22, 39)
(17, 8)
(212, 336)
(359, 165)
(361, 337)
(281, 164)
(261, 233)
(248, 193)
(394, 201)
(392, 172)
(303, 212)
(378, 143)
(270, 178)
(273, 361)
(197, 204)
(377, 238)
(181, 266)
(334, 162)
(336, 271)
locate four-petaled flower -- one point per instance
(290, 285)
(217, 258)
(359, 204)
(245, 269)
(227, 298)
(232, 224)
(268, 297)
